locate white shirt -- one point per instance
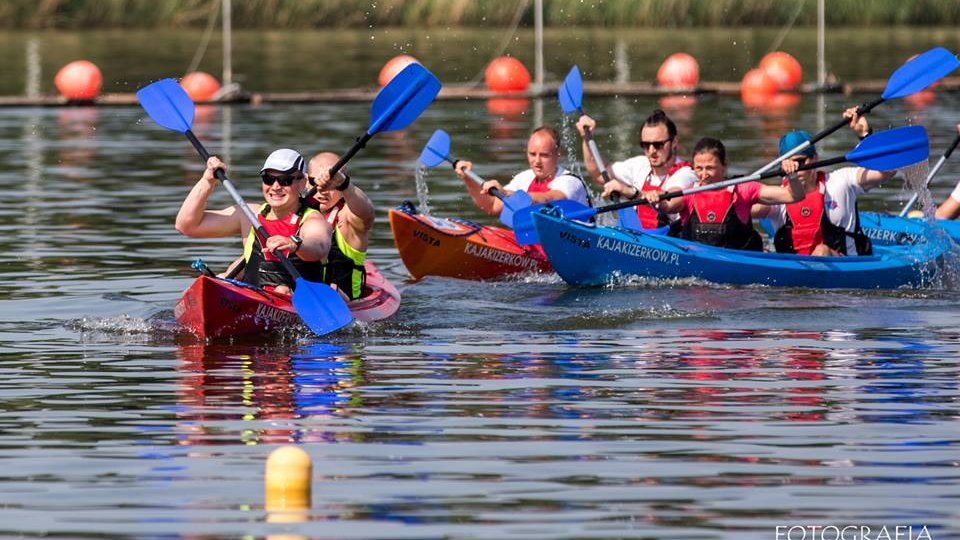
(565, 182)
(840, 201)
(636, 170)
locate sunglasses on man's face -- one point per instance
(285, 180)
(655, 145)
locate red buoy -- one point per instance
(79, 80)
(200, 86)
(507, 74)
(393, 66)
(679, 70)
(783, 69)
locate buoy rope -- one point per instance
(202, 48)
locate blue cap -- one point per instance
(794, 139)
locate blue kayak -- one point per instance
(884, 229)
(586, 254)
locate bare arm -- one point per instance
(195, 221)
(790, 193)
(359, 216)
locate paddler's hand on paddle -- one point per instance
(858, 123)
(287, 244)
(325, 182)
(616, 186)
(210, 174)
(462, 166)
(493, 184)
(789, 166)
(584, 123)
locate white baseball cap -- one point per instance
(284, 160)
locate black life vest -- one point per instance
(347, 274)
(714, 222)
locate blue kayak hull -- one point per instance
(884, 229)
(585, 254)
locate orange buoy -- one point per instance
(783, 69)
(679, 70)
(79, 80)
(200, 86)
(393, 66)
(757, 87)
(507, 74)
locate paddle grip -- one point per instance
(238, 200)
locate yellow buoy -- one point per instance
(287, 483)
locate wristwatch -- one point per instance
(296, 240)
(346, 182)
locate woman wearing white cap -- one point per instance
(293, 227)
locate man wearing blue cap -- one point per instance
(826, 222)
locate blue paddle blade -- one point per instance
(320, 307)
(891, 149)
(168, 104)
(920, 73)
(523, 220)
(629, 219)
(402, 100)
(437, 149)
(513, 204)
(571, 91)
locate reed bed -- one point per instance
(87, 14)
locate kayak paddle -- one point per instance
(882, 151)
(397, 105)
(437, 151)
(319, 306)
(910, 78)
(570, 95)
(933, 172)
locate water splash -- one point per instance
(423, 194)
(915, 181)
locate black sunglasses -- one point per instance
(285, 180)
(656, 145)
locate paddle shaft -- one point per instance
(476, 178)
(247, 213)
(933, 172)
(720, 185)
(861, 110)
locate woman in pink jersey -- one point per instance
(721, 217)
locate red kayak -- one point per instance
(431, 246)
(215, 307)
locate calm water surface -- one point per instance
(516, 409)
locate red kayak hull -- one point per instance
(431, 246)
(213, 307)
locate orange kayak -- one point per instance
(432, 246)
(214, 307)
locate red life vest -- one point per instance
(537, 186)
(285, 227)
(808, 225)
(713, 221)
(650, 217)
